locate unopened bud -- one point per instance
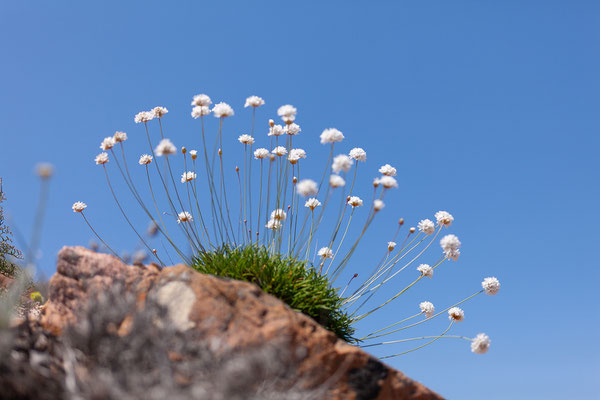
(183, 150)
(271, 123)
(412, 229)
(401, 221)
(237, 169)
(295, 180)
(220, 152)
(153, 251)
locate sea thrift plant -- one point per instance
(277, 237)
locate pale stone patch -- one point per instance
(179, 299)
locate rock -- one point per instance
(231, 315)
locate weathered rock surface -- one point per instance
(235, 315)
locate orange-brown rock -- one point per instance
(237, 314)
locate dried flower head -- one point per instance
(184, 216)
(165, 147)
(107, 143)
(145, 159)
(336, 181)
(426, 226)
(358, 154)
(444, 218)
(143, 116)
(199, 111)
(276, 130)
(491, 285)
(355, 201)
(307, 187)
(101, 158)
(79, 206)
(254, 101)
(425, 270)
(388, 182)
(387, 170)
(159, 112)
(201, 100)
(331, 135)
(279, 214)
(456, 314)
(391, 246)
(246, 139)
(378, 205)
(188, 176)
(119, 137)
(480, 343)
(292, 129)
(287, 113)
(341, 162)
(325, 252)
(427, 308)
(44, 170)
(273, 224)
(261, 153)
(222, 110)
(279, 151)
(312, 203)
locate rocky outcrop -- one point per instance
(233, 317)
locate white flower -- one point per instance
(188, 176)
(165, 147)
(355, 201)
(307, 187)
(278, 215)
(491, 285)
(450, 242)
(387, 170)
(287, 113)
(159, 112)
(312, 203)
(427, 308)
(388, 182)
(107, 143)
(145, 159)
(456, 314)
(292, 129)
(453, 254)
(378, 205)
(273, 224)
(358, 154)
(426, 226)
(444, 218)
(325, 252)
(201, 100)
(222, 110)
(275, 130)
(481, 343)
(119, 136)
(331, 135)
(279, 151)
(336, 181)
(184, 216)
(391, 246)
(295, 155)
(254, 101)
(341, 163)
(261, 153)
(143, 116)
(79, 206)
(198, 111)
(246, 139)
(101, 158)
(425, 270)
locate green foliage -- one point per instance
(294, 282)
(7, 250)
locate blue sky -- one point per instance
(488, 110)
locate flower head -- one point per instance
(279, 151)
(387, 170)
(164, 148)
(261, 153)
(378, 205)
(325, 252)
(119, 137)
(427, 308)
(341, 163)
(188, 176)
(273, 224)
(193, 154)
(307, 187)
(312, 203)
(246, 139)
(44, 170)
(199, 111)
(145, 159)
(480, 343)
(254, 101)
(331, 135)
(450, 243)
(292, 129)
(453, 254)
(426, 226)
(107, 143)
(391, 246)
(358, 154)
(101, 158)
(388, 182)
(222, 110)
(456, 314)
(278, 215)
(275, 130)
(355, 201)
(159, 112)
(184, 216)
(425, 270)
(287, 113)
(143, 116)
(79, 206)
(201, 100)
(336, 181)
(444, 218)
(491, 285)
(295, 155)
